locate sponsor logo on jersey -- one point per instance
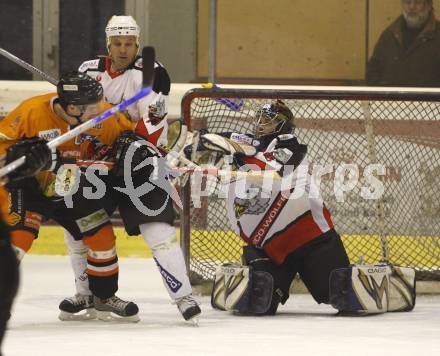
(12, 219)
(98, 78)
(65, 181)
(93, 220)
(71, 154)
(70, 87)
(241, 138)
(49, 134)
(84, 137)
(169, 279)
(253, 206)
(268, 220)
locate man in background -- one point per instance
(408, 51)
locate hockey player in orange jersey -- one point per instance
(79, 99)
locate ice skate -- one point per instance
(116, 309)
(78, 307)
(189, 308)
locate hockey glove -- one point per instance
(156, 112)
(38, 158)
(120, 149)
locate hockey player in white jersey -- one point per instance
(288, 230)
(120, 73)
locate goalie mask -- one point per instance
(273, 120)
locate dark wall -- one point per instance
(82, 25)
(15, 37)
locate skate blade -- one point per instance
(112, 317)
(89, 314)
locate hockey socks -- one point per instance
(161, 238)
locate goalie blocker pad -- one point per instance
(238, 288)
(373, 288)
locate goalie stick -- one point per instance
(148, 57)
(191, 167)
(233, 104)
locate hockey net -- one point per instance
(398, 129)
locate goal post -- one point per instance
(391, 134)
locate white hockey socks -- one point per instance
(78, 259)
(161, 238)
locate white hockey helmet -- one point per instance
(122, 26)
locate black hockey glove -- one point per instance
(38, 158)
(120, 149)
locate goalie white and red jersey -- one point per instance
(121, 85)
(277, 217)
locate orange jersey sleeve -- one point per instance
(109, 130)
(33, 117)
(4, 203)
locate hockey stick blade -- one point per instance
(148, 71)
(27, 66)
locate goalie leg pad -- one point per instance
(402, 292)
(262, 292)
(238, 288)
(372, 289)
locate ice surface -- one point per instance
(301, 328)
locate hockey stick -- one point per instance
(148, 57)
(193, 168)
(233, 104)
(27, 66)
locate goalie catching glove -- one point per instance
(213, 149)
(142, 150)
